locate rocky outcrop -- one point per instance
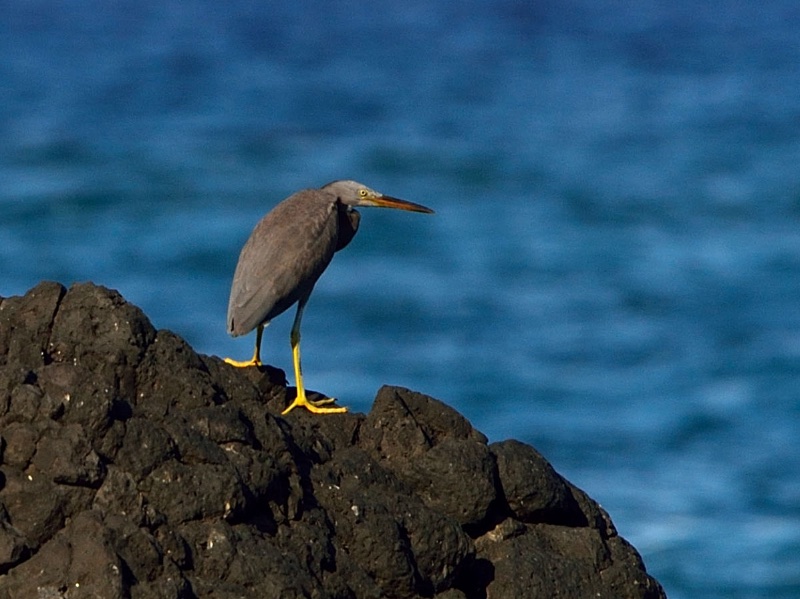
(130, 466)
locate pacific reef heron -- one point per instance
(286, 253)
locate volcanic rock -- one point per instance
(132, 467)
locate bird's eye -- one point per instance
(362, 192)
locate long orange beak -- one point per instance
(390, 202)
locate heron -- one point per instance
(283, 258)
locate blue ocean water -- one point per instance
(612, 274)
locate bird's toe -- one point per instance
(243, 363)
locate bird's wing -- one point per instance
(282, 260)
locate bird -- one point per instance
(286, 254)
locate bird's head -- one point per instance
(352, 193)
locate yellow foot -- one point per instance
(243, 363)
(314, 406)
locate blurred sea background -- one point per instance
(612, 274)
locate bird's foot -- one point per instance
(243, 363)
(315, 406)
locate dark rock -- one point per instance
(533, 490)
(26, 323)
(79, 561)
(365, 498)
(13, 547)
(544, 559)
(64, 454)
(132, 467)
(434, 449)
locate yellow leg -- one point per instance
(256, 359)
(301, 400)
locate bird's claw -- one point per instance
(315, 406)
(322, 402)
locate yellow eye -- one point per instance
(362, 192)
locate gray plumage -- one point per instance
(291, 247)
